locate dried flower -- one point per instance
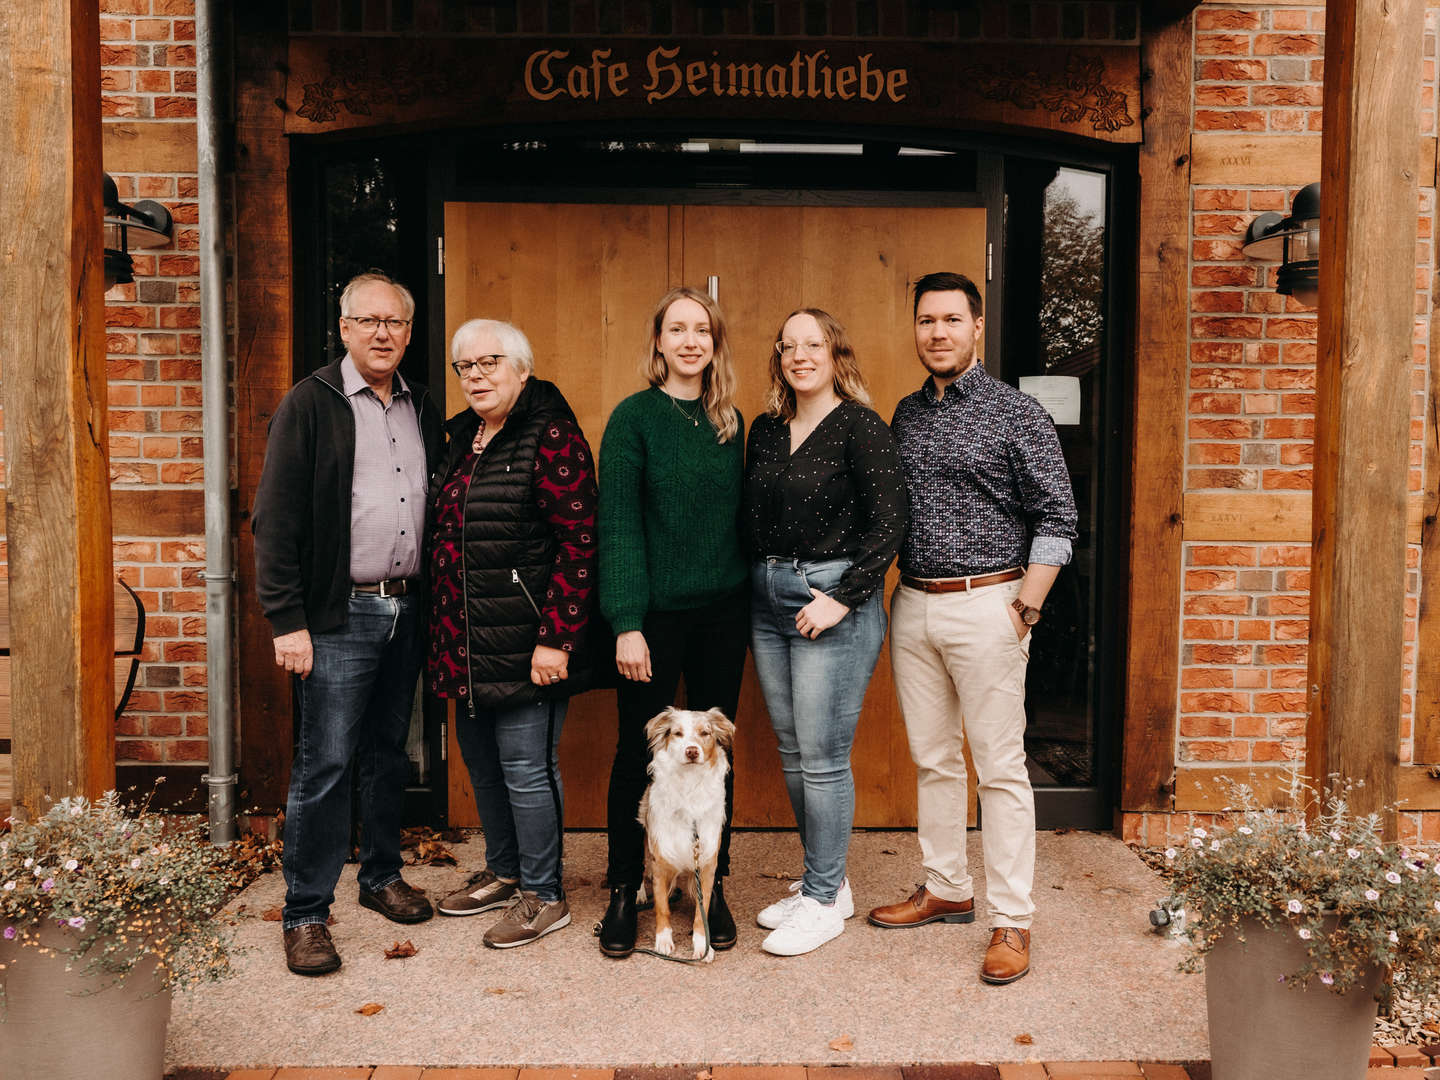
(122, 907)
(1355, 904)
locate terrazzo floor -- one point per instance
(1102, 986)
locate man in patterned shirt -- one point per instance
(992, 518)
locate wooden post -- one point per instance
(52, 339)
(1159, 376)
(1369, 207)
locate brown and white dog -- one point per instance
(685, 799)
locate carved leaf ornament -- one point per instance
(1077, 95)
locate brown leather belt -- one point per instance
(395, 586)
(962, 584)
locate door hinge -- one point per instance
(989, 261)
(440, 255)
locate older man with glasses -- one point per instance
(339, 521)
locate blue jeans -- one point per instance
(354, 713)
(512, 756)
(814, 690)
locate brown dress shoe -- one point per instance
(1008, 957)
(921, 908)
(399, 902)
(309, 950)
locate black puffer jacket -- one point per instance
(509, 552)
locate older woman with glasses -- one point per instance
(512, 566)
(824, 513)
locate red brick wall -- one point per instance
(1245, 605)
(153, 347)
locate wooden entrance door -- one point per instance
(581, 280)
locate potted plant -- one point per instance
(1302, 928)
(103, 911)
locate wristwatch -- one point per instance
(1028, 615)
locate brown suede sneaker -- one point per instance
(1008, 957)
(309, 950)
(921, 908)
(399, 902)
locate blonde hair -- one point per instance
(849, 383)
(717, 381)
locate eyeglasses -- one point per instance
(787, 349)
(368, 324)
(486, 365)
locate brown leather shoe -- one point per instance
(309, 950)
(921, 908)
(1008, 957)
(399, 902)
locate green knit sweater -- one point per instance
(669, 503)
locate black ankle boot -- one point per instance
(617, 928)
(719, 919)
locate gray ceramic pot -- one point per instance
(1262, 1029)
(65, 1025)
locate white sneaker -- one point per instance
(771, 917)
(808, 925)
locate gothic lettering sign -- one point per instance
(337, 83)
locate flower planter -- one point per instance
(66, 1025)
(1262, 1029)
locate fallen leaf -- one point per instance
(433, 853)
(844, 1044)
(271, 914)
(779, 877)
(496, 990)
(1058, 888)
(370, 1009)
(1025, 1039)
(889, 851)
(241, 908)
(400, 950)
(452, 836)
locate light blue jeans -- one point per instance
(813, 691)
(512, 756)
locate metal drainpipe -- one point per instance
(219, 572)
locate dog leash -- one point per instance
(699, 904)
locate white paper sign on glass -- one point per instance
(1060, 394)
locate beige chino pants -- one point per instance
(960, 675)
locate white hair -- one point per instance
(512, 340)
(374, 277)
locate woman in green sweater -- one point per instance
(672, 575)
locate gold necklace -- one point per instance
(694, 417)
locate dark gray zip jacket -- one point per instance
(301, 517)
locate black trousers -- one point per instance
(707, 646)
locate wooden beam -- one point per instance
(1204, 789)
(167, 512)
(1229, 158)
(264, 367)
(149, 147)
(1158, 422)
(1427, 643)
(1362, 411)
(57, 498)
(1274, 517)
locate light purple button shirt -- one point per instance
(387, 496)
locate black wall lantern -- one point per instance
(147, 224)
(1292, 241)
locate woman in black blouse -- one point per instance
(824, 514)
